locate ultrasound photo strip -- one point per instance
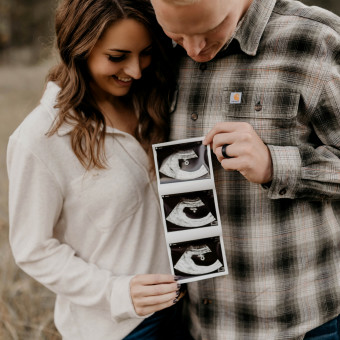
(197, 258)
(182, 162)
(190, 211)
(170, 166)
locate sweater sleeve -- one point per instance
(35, 206)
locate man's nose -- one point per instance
(193, 45)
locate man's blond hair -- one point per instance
(181, 2)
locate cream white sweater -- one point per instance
(83, 234)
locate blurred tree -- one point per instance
(26, 29)
(30, 23)
(4, 23)
(31, 20)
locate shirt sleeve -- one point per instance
(312, 170)
(35, 205)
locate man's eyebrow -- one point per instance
(218, 25)
(209, 30)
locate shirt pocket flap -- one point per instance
(262, 104)
(273, 114)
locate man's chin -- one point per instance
(204, 57)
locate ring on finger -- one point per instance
(224, 151)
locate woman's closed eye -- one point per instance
(116, 59)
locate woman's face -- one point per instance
(118, 58)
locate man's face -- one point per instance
(202, 28)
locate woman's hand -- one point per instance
(153, 292)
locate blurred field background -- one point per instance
(26, 53)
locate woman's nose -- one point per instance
(133, 69)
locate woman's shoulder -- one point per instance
(38, 122)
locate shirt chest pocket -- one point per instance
(109, 196)
(273, 114)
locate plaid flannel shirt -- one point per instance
(283, 242)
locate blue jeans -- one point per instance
(163, 325)
(328, 331)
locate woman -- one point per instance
(84, 212)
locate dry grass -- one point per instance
(26, 307)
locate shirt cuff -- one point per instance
(121, 303)
(286, 172)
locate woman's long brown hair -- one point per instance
(79, 25)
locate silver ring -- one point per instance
(224, 151)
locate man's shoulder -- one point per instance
(311, 30)
(295, 13)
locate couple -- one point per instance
(261, 80)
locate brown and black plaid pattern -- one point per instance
(282, 243)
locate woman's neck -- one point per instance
(119, 114)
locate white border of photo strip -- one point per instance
(194, 240)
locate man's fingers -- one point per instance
(225, 127)
(218, 128)
(249, 155)
(223, 138)
(229, 150)
(232, 164)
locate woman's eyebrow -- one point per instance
(118, 50)
(148, 46)
(126, 51)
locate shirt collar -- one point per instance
(250, 29)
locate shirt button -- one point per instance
(203, 66)
(266, 185)
(194, 116)
(207, 301)
(283, 191)
(258, 106)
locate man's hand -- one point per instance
(249, 155)
(153, 292)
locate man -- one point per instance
(261, 79)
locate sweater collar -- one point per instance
(49, 99)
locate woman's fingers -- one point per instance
(142, 285)
(150, 304)
(146, 310)
(151, 279)
(153, 292)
